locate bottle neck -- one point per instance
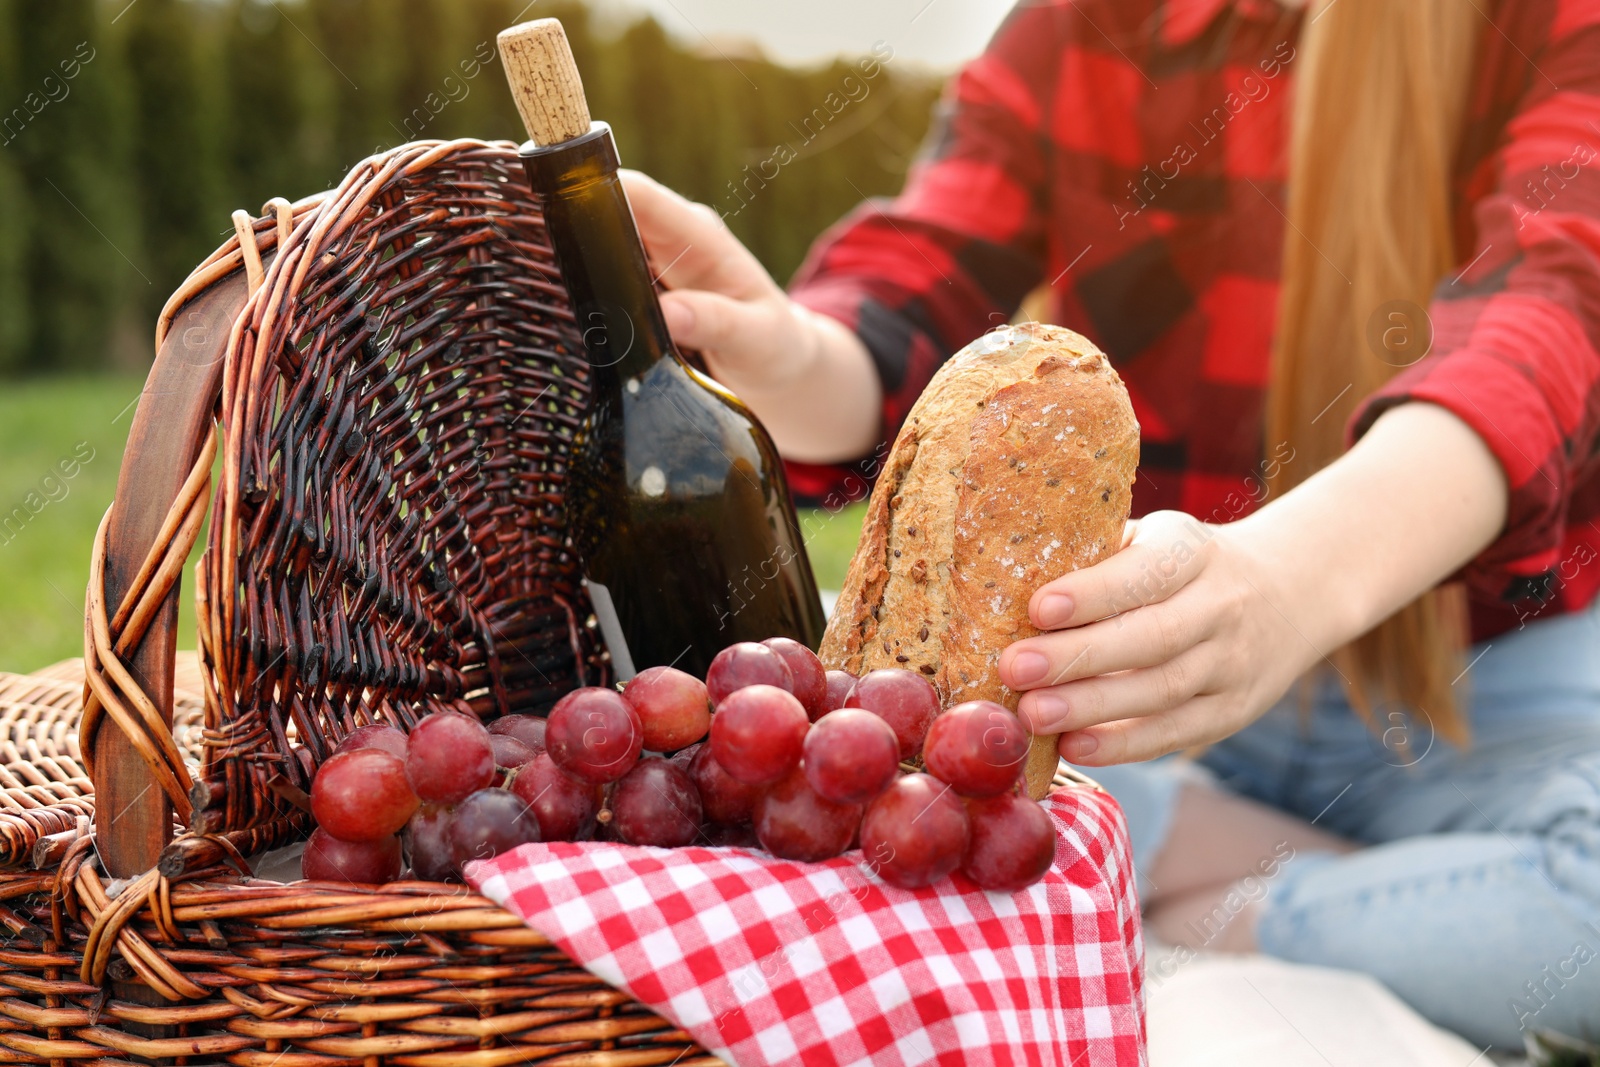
(602, 259)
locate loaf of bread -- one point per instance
(1015, 466)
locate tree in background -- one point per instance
(16, 323)
(117, 179)
(66, 128)
(181, 182)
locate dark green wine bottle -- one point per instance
(676, 497)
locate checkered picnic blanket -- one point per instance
(767, 961)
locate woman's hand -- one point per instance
(1192, 631)
(1180, 639)
(809, 378)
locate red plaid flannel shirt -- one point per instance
(1132, 154)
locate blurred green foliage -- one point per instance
(129, 131)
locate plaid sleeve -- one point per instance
(1516, 349)
(920, 276)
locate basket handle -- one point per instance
(130, 640)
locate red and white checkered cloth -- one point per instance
(767, 961)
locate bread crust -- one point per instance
(1015, 466)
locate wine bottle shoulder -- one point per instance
(683, 441)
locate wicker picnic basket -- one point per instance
(371, 392)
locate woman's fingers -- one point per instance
(1123, 695)
(1138, 643)
(688, 244)
(1142, 637)
(716, 324)
(1201, 721)
(720, 300)
(1163, 554)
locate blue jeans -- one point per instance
(1478, 900)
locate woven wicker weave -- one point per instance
(44, 788)
(388, 537)
(399, 383)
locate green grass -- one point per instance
(831, 541)
(48, 520)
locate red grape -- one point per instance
(757, 733)
(904, 699)
(448, 757)
(375, 735)
(529, 729)
(794, 823)
(594, 735)
(509, 753)
(672, 706)
(564, 806)
(978, 747)
(656, 804)
(741, 836)
(362, 795)
(685, 756)
(839, 685)
(743, 664)
(1013, 843)
(428, 844)
(328, 859)
(810, 680)
(489, 822)
(723, 798)
(851, 755)
(915, 832)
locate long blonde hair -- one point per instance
(1380, 95)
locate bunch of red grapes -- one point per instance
(802, 761)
